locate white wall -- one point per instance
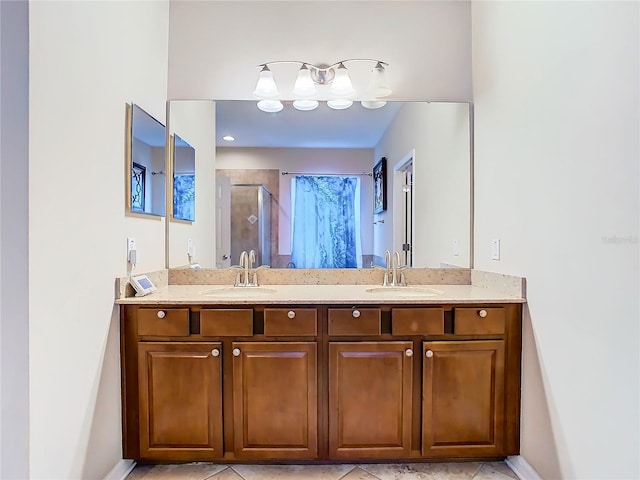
(14, 240)
(310, 160)
(86, 59)
(556, 89)
(195, 122)
(439, 134)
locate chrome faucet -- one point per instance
(387, 262)
(243, 264)
(393, 274)
(395, 267)
(247, 261)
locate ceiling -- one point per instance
(355, 127)
(216, 46)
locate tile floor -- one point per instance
(410, 471)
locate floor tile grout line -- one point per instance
(478, 470)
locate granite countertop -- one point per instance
(323, 294)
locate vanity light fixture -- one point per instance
(333, 79)
(228, 138)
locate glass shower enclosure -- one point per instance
(251, 222)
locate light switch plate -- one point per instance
(131, 245)
(495, 249)
(456, 249)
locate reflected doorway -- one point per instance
(403, 209)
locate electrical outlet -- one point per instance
(456, 249)
(495, 249)
(131, 245)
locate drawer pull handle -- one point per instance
(482, 313)
(429, 353)
(356, 313)
(236, 352)
(215, 352)
(291, 314)
(161, 314)
(408, 352)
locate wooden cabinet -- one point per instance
(275, 407)
(253, 383)
(370, 390)
(463, 398)
(180, 395)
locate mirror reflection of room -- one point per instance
(428, 182)
(184, 180)
(147, 180)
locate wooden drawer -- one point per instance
(478, 321)
(226, 322)
(171, 322)
(354, 321)
(417, 321)
(283, 322)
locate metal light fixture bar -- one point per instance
(335, 76)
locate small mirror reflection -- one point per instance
(147, 175)
(184, 180)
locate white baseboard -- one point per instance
(522, 469)
(121, 470)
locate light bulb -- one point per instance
(305, 105)
(339, 103)
(266, 86)
(270, 106)
(304, 86)
(341, 85)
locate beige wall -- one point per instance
(86, 60)
(556, 92)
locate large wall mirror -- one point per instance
(145, 164)
(249, 190)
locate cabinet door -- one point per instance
(275, 406)
(463, 398)
(180, 400)
(370, 387)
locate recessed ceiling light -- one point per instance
(228, 138)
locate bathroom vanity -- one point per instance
(320, 372)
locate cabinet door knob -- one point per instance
(291, 314)
(236, 352)
(356, 313)
(482, 313)
(215, 352)
(408, 352)
(161, 314)
(429, 354)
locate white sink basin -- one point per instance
(239, 292)
(404, 291)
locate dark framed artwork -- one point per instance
(380, 186)
(138, 177)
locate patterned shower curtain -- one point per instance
(326, 222)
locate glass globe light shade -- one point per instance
(270, 106)
(339, 103)
(266, 86)
(341, 85)
(304, 86)
(305, 105)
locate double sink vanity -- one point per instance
(322, 366)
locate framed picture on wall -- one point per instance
(380, 186)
